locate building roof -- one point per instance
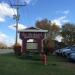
(33, 29)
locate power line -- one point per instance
(12, 7)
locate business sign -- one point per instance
(32, 35)
(31, 45)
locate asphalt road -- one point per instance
(4, 51)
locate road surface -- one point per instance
(4, 51)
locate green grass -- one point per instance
(12, 65)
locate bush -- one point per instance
(49, 45)
(17, 49)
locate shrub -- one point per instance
(17, 49)
(49, 45)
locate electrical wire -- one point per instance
(10, 3)
(12, 7)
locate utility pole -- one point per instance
(16, 17)
(17, 20)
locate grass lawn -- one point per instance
(12, 65)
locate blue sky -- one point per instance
(58, 11)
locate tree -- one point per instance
(43, 24)
(52, 28)
(68, 33)
(53, 31)
(2, 45)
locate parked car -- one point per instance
(58, 52)
(72, 56)
(65, 51)
(71, 50)
(61, 51)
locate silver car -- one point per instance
(71, 50)
(72, 56)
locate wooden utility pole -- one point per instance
(17, 16)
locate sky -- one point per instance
(58, 11)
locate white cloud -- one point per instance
(2, 19)
(27, 1)
(3, 37)
(20, 26)
(57, 22)
(59, 38)
(13, 27)
(32, 2)
(6, 39)
(65, 12)
(60, 20)
(19, 41)
(6, 10)
(39, 18)
(9, 41)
